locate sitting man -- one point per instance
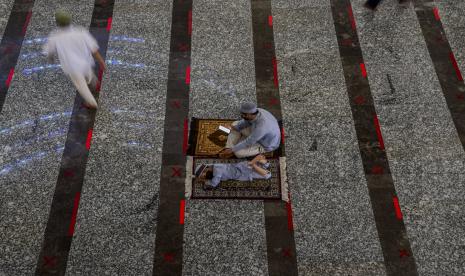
(256, 133)
(213, 174)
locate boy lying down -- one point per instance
(213, 174)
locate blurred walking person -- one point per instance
(76, 50)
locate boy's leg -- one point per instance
(80, 83)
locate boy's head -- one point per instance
(62, 18)
(204, 172)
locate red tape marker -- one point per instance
(436, 13)
(26, 22)
(10, 77)
(89, 138)
(363, 69)
(456, 66)
(109, 21)
(188, 75)
(189, 23)
(74, 214)
(186, 132)
(395, 200)
(351, 17)
(290, 224)
(275, 71)
(378, 132)
(181, 211)
(270, 20)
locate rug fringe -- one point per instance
(284, 184)
(188, 182)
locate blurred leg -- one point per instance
(80, 83)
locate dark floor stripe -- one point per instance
(12, 41)
(279, 228)
(444, 62)
(62, 218)
(398, 257)
(170, 223)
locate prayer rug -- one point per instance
(206, 138)
(273, 188)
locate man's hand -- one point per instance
(228, 126)
(227, 151)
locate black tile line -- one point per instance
(61, 222)
(444, 62)
(397, 252)
(281, 250)
(168, 256)
(11, 43)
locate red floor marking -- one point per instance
(282, 135)
(395, 200)
(363, 69)
(460, 97)
(99, 80)
(50, 261)
(456, 67)
(378, 133)
(275, 71)
(290, 224)
(351, 17)
(267, 45)
(274, 101)
(347, 42)
(185, 137)
(26, 23)
(100, 74)
(176, 104)
(188, 75)
(377, 170)
(168, 257)
(109, 21)
(74, 214)
(189, 23)
(403, 253)
(182, 207)
(10, 77)
(68, 173)
(270, 20)
(89, 138)
(287, 252)
(436, 13)
(183, 47)
(359, 100)
(176, 172)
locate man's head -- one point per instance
(62, 18)
(249, 111)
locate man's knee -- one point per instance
(242, 154)
(247, 152)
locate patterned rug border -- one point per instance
(191, 183)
